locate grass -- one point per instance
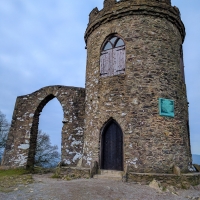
(55, 176)
(12, 172)
(14, 179)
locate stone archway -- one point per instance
(21, 143)
(34, 130)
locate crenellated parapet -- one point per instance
(93, 14)
(108, 3)
(117, 9)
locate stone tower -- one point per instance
(136, 110)
(132, 116)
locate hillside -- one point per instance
(196, 159)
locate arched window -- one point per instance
(112, 60)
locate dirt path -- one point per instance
(45, 188)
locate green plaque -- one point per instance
(166, 107)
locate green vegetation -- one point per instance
(55, 176)
(13, 172)
(57, 173)
(14, 179)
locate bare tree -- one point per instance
(46, 154)
(4, 128)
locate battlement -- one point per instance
(114, 9)
(109, 4)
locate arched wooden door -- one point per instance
(112, 147)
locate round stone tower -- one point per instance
(136, 105)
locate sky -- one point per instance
(42, 44)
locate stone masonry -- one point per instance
(21, 144)
(153, 33)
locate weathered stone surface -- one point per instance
(155, 184)
(69, 173)
(20, 147)
(176, 170)
(197, 167)
(153, 34)
(115, 10)
(109, 174)
(184, 181)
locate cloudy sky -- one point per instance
(41, 44)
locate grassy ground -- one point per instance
(14, 179)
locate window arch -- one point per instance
(112, 59)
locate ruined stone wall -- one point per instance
(153, 34)
(21, 143)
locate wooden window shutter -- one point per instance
(112, 59)
(105, 63)
(119, 60)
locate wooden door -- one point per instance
(112, 147)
